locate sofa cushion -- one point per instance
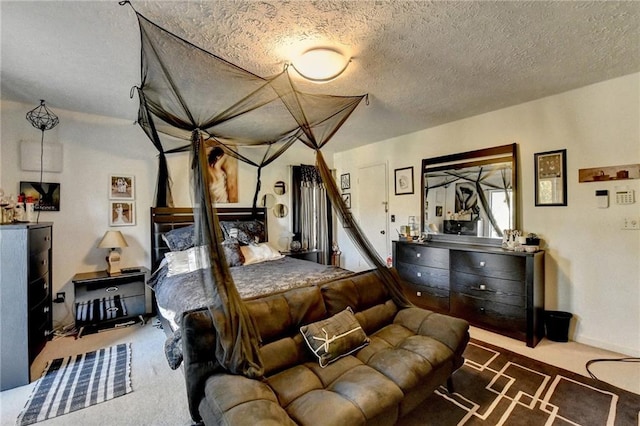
(240, 400)
(403, 356)
(334, 337)
(359, 291)
(345, 392)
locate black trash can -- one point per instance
(557, 324)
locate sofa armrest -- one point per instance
(198, 348)
(452, 332)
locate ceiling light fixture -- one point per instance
(321, 64)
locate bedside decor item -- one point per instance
(113, 240)
(49, 401)
(296, 245)
(345, 181)
(121, 187)
(551, 178)
(404, 181)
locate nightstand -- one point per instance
(311, 255)
(103, 300)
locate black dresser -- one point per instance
(25, 298)
(492, 288)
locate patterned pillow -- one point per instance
(332, 338)
(247, 232)
(232, 252)
(180, 239)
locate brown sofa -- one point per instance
(411, 352)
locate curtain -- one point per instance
(311, 210)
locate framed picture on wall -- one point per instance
(404, 180)
(46, 195)
(122, 187)
(122, 213)
(345, 181)
(551, 178)
(347, 200)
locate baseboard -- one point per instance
(632, 352)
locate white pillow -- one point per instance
(182, 262)
(256, 253)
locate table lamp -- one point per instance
(113, 240)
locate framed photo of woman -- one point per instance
(122, 213)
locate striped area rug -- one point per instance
(76, 382)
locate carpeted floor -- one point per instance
(499, 387)
(495, 387)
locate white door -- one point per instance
(372, 206)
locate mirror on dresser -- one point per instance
(470, 196)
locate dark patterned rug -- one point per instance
(499, 387)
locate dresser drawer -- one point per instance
(434, 298)
(38, 264)
(425, 276)
(508, 267)
(489, 288)
(125, 287)
(422, 255)
(39, 240)
(496, 315)
(38, 290)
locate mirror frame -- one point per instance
(480, 156)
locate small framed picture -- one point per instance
(122, 187)
(551, 178)
(347, 199)
(122, 213)
(345, 181)
(404, 180)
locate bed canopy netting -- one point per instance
(191, 100)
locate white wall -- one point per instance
(592, 266)
(93, 148)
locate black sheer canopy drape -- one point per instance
(190, 98)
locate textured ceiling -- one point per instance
(422, 63)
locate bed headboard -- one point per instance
(164, 219)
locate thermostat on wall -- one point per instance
(602, 198)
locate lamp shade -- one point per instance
(112, 239)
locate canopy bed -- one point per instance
(193, 100)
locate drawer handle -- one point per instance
(482, 310)
(112, 309)
(46, 309)
(419, 274)
(111, 289)
(482, 264)
(418, 254)
(482, 287)
(44, 262)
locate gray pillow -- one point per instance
(232, 252)
(180, 239)
(247, 232)
(332, 338)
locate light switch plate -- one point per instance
(631, 223)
